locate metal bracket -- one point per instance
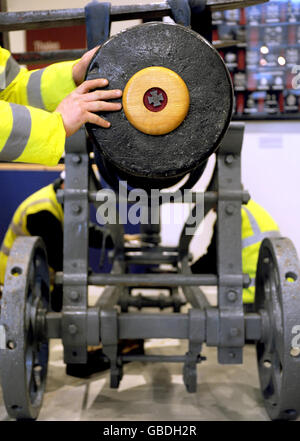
(196, 338)
(109, 338)
(75, 279)
(229, 259)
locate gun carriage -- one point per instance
(161, 67)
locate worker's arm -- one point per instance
(42, 88)
(28, 134)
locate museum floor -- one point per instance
(154, 391)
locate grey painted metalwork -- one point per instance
(277, 293)
(76, 212)
(162, 301)
(50, 57)
(79, 326)
(210, 197)
(143, 325)
(26, 322)
(14, 21)
(24, 357)
(229, 258)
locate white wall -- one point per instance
(271, 172)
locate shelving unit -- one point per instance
(263, 61)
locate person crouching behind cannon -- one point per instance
(41, 214)
(257, 224)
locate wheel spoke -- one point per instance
(37, 375)
(276, 375)
(265, 368)
(38, 288)
(29, 363)
(31, 278)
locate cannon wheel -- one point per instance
(24, 350)
(278, 353)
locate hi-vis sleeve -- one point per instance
(28, 131)
(30, 135)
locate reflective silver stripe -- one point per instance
(258, 238)
(252, 282)
(257, 235)
(17, 229)
(34, 95)
(2, 81)
(5, 250)
(254, 225)
(9, 74)
(19, 135)
(39, 201)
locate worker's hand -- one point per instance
(80, 68)
(78, 108)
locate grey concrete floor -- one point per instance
(154, 391)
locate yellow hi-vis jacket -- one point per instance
(256, 225)
(30, 129)
(43, 199)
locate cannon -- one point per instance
(177, 106)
